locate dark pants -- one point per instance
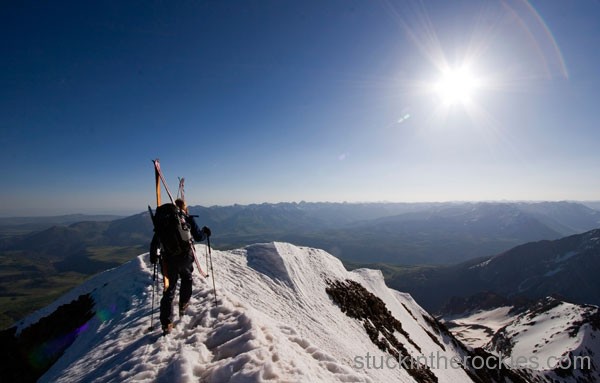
(174, 268)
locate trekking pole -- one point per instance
(205, 275)
(212, 271)
(206, 253)
(153, 289)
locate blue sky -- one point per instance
(269, 101)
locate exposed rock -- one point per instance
(379, 323)
(28, 355)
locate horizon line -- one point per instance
(130, 212)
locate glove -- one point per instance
(206, 231)
(154, 250)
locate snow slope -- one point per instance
(476, 329)
(274, 322)
(549, 336)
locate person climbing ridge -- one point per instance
(172, 246)
(176, 265)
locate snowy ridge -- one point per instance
(274, 322)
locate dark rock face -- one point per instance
(28, 355)
(379, 323)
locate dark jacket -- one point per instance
(198, 234)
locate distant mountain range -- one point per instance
(56, 219)
(419, 233)
(54, 253)
(12, 226)
(61, 241)
(398, 233)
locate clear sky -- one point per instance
(270, 101)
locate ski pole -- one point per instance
(205, 275)
(206, 253)
(153, 289)
(212, 271)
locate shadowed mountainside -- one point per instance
(568, 267)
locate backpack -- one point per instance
(172, 230)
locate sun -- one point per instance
(456, 86)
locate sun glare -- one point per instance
(456, 86)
